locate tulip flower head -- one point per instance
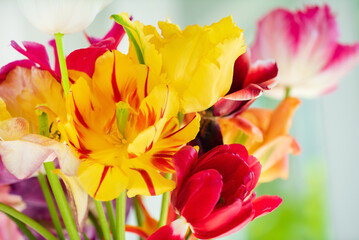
(214, 193)
(123, 131)
(305, 45)
(61, 16)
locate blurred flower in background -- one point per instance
(305, 45)
(61, 16)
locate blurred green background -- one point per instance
(321, 196)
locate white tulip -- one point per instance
(61, 16)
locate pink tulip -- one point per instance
(305, 46)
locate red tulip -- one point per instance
(250, 80)
(214, 192)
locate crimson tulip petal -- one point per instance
(223, 221)
(174, 231)
(240, 71)
(202, 185)
(265, 204)
(183, 161)
(262, 73)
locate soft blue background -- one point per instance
(322, 194)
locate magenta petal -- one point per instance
(10, 66)
(200, 195)
(265, 204)
(116, 34)
(84, 59)
(36, 53)
(224, 221)
(175, 231)
(52, 43)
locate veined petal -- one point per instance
(13, 128)
(102, 182)
(25, 89)
(144, 180)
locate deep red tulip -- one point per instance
(214, 193)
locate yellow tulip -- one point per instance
(124, 134)
(197, 62)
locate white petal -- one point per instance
(61, 16)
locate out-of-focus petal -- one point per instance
(282, 118)
(61, 16)
(174, 231)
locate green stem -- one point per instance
(111, 218)
(23, 228)
(94, 221)
(138, 211)
(62, 61)
(165, 205)
(61, 201)
(28, 221)
(103, 221)
(121, 215)
(51, 205)
(287, 92)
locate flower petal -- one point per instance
(78, 198)
(265, 204)
(223, 221)
(206, 184)
(102, 182)
(175, 231)
(22, 159)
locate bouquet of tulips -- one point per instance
(83, 141)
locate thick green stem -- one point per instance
(121, 215)
(103, 221)
(165, 205)
(26, 220)
(97, 226)
(111, 218)
(51, 205)
(61, 201)
(62, 61)
(57, 188)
